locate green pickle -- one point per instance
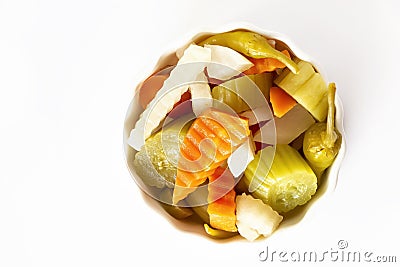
(156, 162)
(263, 82)
(285, 183)
(175, 211)
(240, 93)
(307, 87)
(250, 44)
(322, 141)
(199, 203)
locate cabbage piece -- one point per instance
(170, 93)
(254, 218)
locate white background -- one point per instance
(67, 74)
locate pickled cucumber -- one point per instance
(242, 92)
(175, 211)
(308, 88)
(199, 203)
(229, 97)
(263, 82)
(285, 183)
(156, 161)
(290, 82)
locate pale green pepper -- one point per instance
(250, 44)
(322, 141)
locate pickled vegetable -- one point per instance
(226, 62)
(263, 82)
(201, 98)
(149, 88)
(229, 93)
(221, 198)
(250, 44)
(244, 92)
(289, 81)
(175, 211)
(211, 139)
(218, 234)
(266, 64)
(285, 183)
(156, 162)
(295, 122)
(308, 88)
(281, 102)
(322, 141)
(198, 202)
(255, 218)
(241, 157)
(169, 94)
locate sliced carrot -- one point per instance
(281, 101)
(221, 139)
(207, 144)
(265, 64)
(238, 128)
(150, 88)
(187, 182)
(221, 198)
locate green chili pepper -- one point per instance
(322, 141)
(250, 44)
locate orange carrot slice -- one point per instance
(149, 89)
(265, 64)
(221, 197)
(210, 140)
(281, 101)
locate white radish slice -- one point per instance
(170, 93)
(254, 218)
(201, 97)
(226, 62)
(241, 157)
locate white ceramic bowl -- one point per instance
(169, 58)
